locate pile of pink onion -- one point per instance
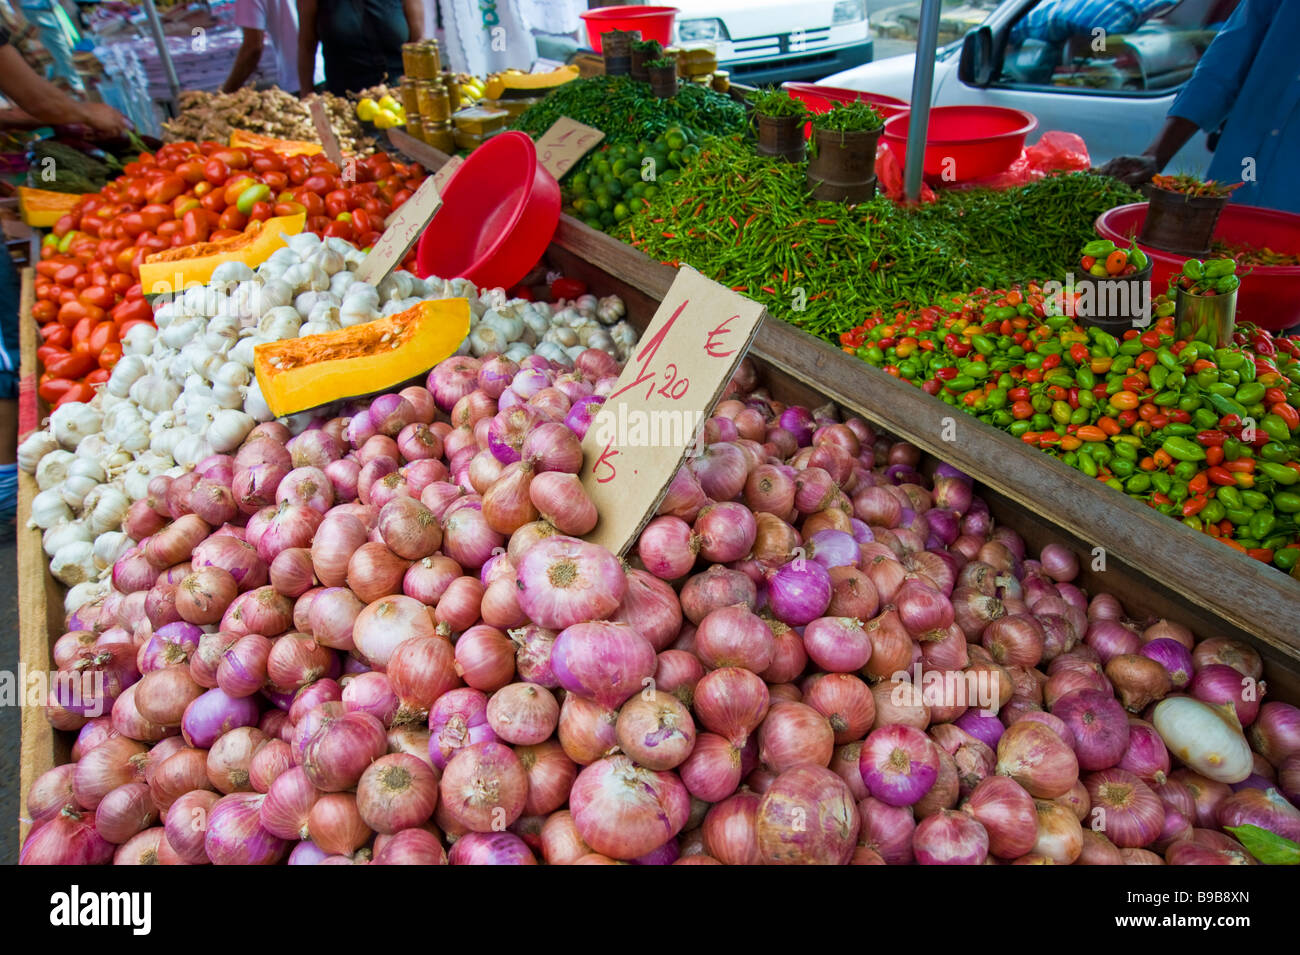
(382, 640)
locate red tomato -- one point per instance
(48, 353)
(319, 184)
(220, 234)
(216, 171)
(360, 221)
(51, 389)
(111, 354)
(195, 226)
(119, 282)
(311, 201)
(166, 188)
(168, 230)
(191, 171)
(233, 219)
(298, 170)
(98, 377)
(64, 225)
(101, 336)
(261, 211)
(129, 311)
(214, 201)
(79, 391)
(44, 311)
(342, 230)
(276, 180)
(234, 158)
(72, 365)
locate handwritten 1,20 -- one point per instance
(585, 138)
(673, 387)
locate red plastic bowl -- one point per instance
(820, 99)
(965, 143)
(1269, 295)
(655, 23)
(499, 212)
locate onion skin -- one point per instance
(730, 833)
(625, 811)
(1125, 808)
(1099, 724)
(950, 838)
(807, 817)
(1007, 813)
(1036, 758)
(484, 787)
(1059, 836)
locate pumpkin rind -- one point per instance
(285, 147)
(159, 271)
(41, 208)
(301, 373)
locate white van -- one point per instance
(768, 41)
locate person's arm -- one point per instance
(246, 60)
(414, 10)
(306, 46)
(44, 101)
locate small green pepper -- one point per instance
(1288, 502)
(1278, 473)
(1180, 449)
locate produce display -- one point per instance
(88, 293)
(387, 648)
(1248, 255)
(746, 222)
(214, 116)
(322, 538)
(1165, 421)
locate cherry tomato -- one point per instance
(111, 354)
(214, 201)
(51, 389)
(261, 211)
(191, 171)
(233, 219)
(342, 230)
(195, 226)
(79, 391)
(48, 353)
(319, 184)
(131, 310)
(43, 310)
(71, 365)
(311, 202)
(234, 158)
(99, 376)
(166, 188)
(216, 171)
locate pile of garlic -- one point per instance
(186, 389)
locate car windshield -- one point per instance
(1124, 47)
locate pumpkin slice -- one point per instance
(173, 270)
(301, 373)
(41, 208)
(285, 147)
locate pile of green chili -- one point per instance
(626, 111)
(747, 222)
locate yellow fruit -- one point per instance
(367, 110)
(388, 103)
(385, 119)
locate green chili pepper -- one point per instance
(1213, 512)
(1275, 428)
(1137, 484)
(1185, 470)
(1240, 516)
(1099, 248)
(1286, 558)
(1180, 449)
(1163, 482)
(1261, 525)
(1278, 473)
(1254, 499)
(1230, 496)
(1250, 393)
(1288, 502)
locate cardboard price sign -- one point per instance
(656, 412)
(446, 171)
(328, 138)
(567, 141)
(404, 227)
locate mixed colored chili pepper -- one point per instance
(1192, 186)
(1207, 436)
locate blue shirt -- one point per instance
(1250, 76)
(1058, 20)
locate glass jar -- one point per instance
(414, 61)
(432, 102)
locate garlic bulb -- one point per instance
(85, 593)
(227, 396)
(328, 260)
(233, 373)
(74, 563)
(180, 331)
(34, 449)
(53, 469)
(108, 547)
(60, 535)
(340, 282)
(518, 352)
(510, 326)
(610, 309)
(74, 421)
(109, 510)
(243, 350)
(228, 429)
(283, 257)
(75, 487)
(125, 373)
(232, 272)
(485, 340)
(304, 243)
(255, 405)
(280, 322)
(271, 294)
(554, 352)
(139, 340)
(192, 449)
(49, 509)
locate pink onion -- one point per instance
(483, 787)
(602, 660)
(235, 835)
(563, 581)
(950, 838)
(624, 810)
(1099, 724)
(807, 816)
(899, 764)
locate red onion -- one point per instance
(1241, 657)
(668, 547)
(550, 776)
(684, 496)
(1036, 758)
(295, 660)
(385, 623)
(950, 838)
(807, 816)
(161, 697)
(713, 769)
(315, 447)
(1111, 638)
(271, 761)
(396, 792)
(523, 713)
(235, 835)
(734, 636)
(258, 611)
(337, 753)
(1129, 812)
(230, 758)
(837, 644)
(485, 658)
(1265, 808)
(798, 592)
(374, 571)
(899, 764)
(236, 557)
(178, 774)
(730, 829)
(656, 730)
(605, 661)
(491, 848)
(563, 581)
(483, 787)
(1173, 656)
(726, 531)
(716, 587)
(1275, 732)
(846, 703)
(1007, 814)
(68, 838)
(291, 525)
(125, 811)
(795, 734)
(731, 702)
(170, 645)
(721, 470)
(624, 810)
(457, 719)
(411, 847)
(1217, 684)
(1099, 724)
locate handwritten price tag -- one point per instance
(404, 227)
(567, 141)
(446, 171)
(328, 138)
(656, 412)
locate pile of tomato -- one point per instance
(87, 285)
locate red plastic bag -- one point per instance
(889, 174)
(1058, 151)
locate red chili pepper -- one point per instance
(1194, 505)
(1199, 483)
(1221, 476)
(1288, 414)
(1213, 438)
(1241, 466)
(1230, 422)
(1158, 498)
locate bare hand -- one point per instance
(1133, 170)
(105, 120)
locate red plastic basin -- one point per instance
(655, 23)
(1269, 295)
(499, 212)
(820, 99)
(965, 143)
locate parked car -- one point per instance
(769, 41)
(1113, 90)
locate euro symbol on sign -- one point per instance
(710, 345)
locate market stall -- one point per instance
(353, 585)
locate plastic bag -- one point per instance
(1055, 151)
(889, 175)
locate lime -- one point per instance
(621, 212)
